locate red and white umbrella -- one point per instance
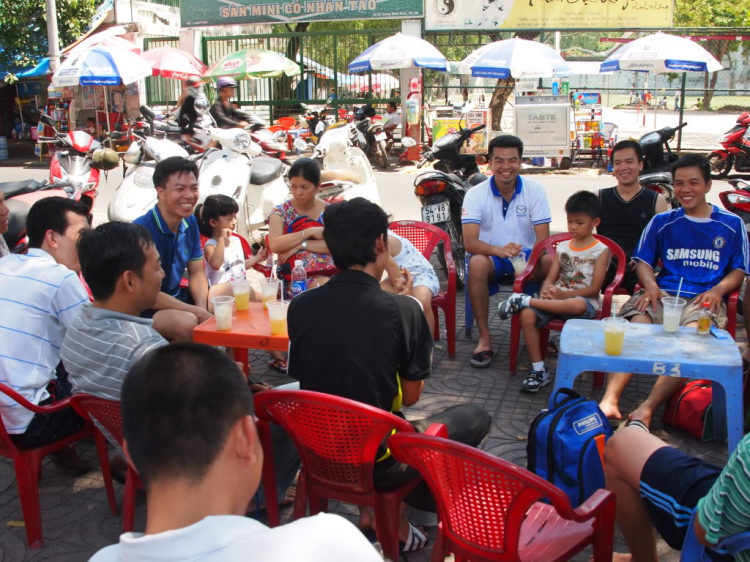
(104, 43)
(169, 62)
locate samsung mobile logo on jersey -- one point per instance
(587, 424)
(696, 258)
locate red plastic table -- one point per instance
(251, 329)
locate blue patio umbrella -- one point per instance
(399, 51)
(516, 58)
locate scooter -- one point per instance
(442, 190)
(735, 150)
(19, 197)
(371, 137)
(273, 144)
(73, 160)
(656, 174)
(738, 201)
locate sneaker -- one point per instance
(535, 380)
(512, 306)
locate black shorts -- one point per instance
(183, 296)
(629, 281)
(671, 485)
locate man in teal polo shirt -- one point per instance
(174, 230)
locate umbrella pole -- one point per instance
(106, 112)
(20, 107)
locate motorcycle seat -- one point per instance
(655, 177)
(166, 128)
(476, 179)
(19, 211)
(339, 175)
(264, 170)
(14, 188)
(456, 178)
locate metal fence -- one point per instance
(324, 57)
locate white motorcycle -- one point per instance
(346, 172)
(257, 184)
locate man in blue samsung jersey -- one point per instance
(698, 244)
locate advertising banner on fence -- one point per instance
(223, 12)
(546, 14)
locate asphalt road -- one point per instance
(397, 190)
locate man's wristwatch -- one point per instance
(304, 245)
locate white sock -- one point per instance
(538, 366)
(526, 300)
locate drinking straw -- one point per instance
(679, 288)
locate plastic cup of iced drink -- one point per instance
(223, 311)
(673, 307)
(277, 314)
(269, 290)
(614, 334)
(241, 290)
(519, 263)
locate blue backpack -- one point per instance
(566, 443)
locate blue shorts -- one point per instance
(503, 268)
(545, 318)
(671, 485)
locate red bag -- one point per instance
(690, 409)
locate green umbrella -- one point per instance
(252, 63)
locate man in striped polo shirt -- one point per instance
(660, 487)
(41, 296)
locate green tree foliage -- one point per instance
(24, 28)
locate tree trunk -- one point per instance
(284, 84)
(718, 51)
(503, 90)
(708, 93)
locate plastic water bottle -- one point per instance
(299, 279)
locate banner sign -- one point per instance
(229, 12)
(546, 14)
(543, 127)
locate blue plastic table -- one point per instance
(649, 350)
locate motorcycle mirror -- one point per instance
(279, 136)
(480, 159)
(47, 120)
(467, 107)
(408, 142)
(202, 105)
(300, 144)
(303, 106)
(116, 135)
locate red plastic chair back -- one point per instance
(482, 500)
(286, 122)
(277, 128)
(107, 412)
(337, 438)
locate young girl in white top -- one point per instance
(223, 256)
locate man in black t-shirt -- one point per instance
(627, 208)
(349, 338)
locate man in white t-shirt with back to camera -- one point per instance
(502, 217)
(187, 415)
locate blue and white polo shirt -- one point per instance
(502, 222)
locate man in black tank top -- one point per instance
(627, 208)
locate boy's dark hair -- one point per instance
(623, 144)
(306, 168)
(173, 165)
(51, 213)
(506, 141)
(693, 160)
(110, 250)
(583, 203)
(213, 207)
(351, 229)
(90, 119)
(179, 403)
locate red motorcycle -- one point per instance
(738, 201)
(736, 150)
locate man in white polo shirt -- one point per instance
(501, 217)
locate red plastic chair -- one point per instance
(549, 245)
(491, 509)
(338, 441)
(425, 238)
(27, 463)
(108, 414)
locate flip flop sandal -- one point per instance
(482, 359)
(416, 541)
(278, 365)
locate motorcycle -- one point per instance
(656, 174)
(738, 201)
(255, 182)
(442, 190)
(73, 161)
(273, 145)
(371, 137)
(346, 172)
(19, 197)
(735, 152)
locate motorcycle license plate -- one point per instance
(380, 136)
(433, 214)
